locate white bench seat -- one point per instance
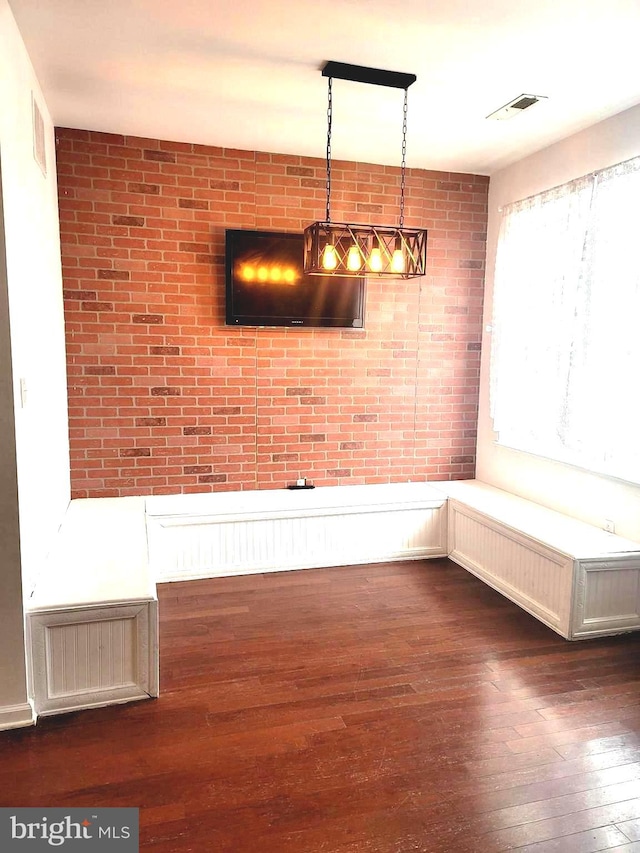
(231, 533)
(92, 618)
(574, 577)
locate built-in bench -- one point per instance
(210, 535)
(92, 621)
(576, 578)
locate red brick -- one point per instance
(97, 306)
(148, 319)
(162, 156)
(165, 392)
(151, 421)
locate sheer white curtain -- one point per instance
(565, 360)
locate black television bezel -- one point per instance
(234, 319)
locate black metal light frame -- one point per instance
(346, 249)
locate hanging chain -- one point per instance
(329, 123)
(403, 168)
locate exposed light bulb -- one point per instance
(329, 257)
(397, 261)
(375, 260)
(354, 261)
(263, 274)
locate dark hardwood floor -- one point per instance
(388, 708)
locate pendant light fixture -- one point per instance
(345, 249)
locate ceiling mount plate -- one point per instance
(363, 74)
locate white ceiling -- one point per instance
(246, 73)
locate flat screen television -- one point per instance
(266, 285)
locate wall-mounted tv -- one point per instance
(266, 285)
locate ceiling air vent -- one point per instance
(516, 106)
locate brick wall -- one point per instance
(164, 398)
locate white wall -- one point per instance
(590, 497)
(14, 706)
(35, 303)
(33, 290)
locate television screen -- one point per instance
(266, 285)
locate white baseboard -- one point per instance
(16, 716)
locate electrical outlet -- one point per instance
(609, 525)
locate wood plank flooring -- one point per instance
(369, 709)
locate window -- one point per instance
(565, 360)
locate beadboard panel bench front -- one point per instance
(92, 619)
(576, 578)
(212, 535)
